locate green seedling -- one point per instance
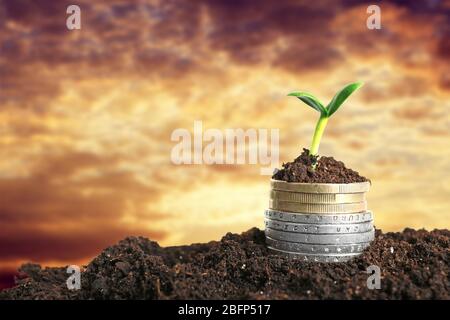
(325, 112)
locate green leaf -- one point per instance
(310, 100)
(341, 96)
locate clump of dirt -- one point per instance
(414, 265)
(327, 170)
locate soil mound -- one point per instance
(414, 265)
(327, 170)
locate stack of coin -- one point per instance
(320, 222)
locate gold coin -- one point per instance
(320, 187)
(317, 208)
(331, 198)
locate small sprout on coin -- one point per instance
(325, 112)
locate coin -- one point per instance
(348, 238)
(319, 228)
(315, 257)
(317, 208)
(319, 218)
(297, 247)
(320, 187)
(317, 197)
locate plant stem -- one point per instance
(320, 128)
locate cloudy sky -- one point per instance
(86, 115)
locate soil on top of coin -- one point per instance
(413, 264)
(327, 170)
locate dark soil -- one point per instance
(414, 265)
(327, 170)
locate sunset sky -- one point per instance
(86, 115)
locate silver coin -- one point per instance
(298, 247)
(319, 228)
(318, 218)
(347, 238)
(320, 187)
(317, 208)
(315, 257)
(316, 198)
